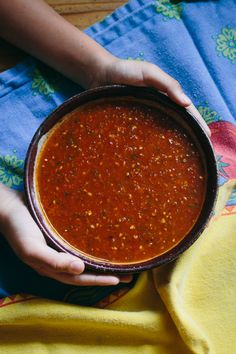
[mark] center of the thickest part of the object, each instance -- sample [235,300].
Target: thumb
[40,255]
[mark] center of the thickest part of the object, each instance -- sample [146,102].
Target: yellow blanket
[185,307]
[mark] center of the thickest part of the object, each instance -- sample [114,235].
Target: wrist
[91,68]
[100,73]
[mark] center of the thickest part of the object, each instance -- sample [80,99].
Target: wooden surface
[82,13]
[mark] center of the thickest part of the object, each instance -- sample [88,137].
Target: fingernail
[114,281]
[186,100]
[76,267]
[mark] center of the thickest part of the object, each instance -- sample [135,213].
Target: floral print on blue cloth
[46,82]
[40,85]
[11,171]
[208,114]
[169,9]
[226,43]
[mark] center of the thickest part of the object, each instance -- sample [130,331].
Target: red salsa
[120,180]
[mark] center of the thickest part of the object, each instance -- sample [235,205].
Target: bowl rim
[140,93]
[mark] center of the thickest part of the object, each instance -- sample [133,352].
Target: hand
[138,73]
[27,241]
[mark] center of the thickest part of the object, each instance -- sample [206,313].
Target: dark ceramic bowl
[185,119]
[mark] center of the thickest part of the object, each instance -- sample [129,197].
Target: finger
[97,279]
[147,74]
[157,78]
[49,259]
[81,280]
[193,110]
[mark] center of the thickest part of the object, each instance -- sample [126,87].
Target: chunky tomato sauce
[120,181]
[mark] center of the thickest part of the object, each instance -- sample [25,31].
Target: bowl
[141,172]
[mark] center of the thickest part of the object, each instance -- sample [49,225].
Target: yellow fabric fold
[199,288]
[185,307]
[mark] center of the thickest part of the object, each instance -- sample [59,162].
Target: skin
[36,28]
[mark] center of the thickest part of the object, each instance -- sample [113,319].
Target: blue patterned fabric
[193,41]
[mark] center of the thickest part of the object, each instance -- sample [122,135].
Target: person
[37,29]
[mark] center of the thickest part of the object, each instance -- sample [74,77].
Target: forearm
[36,28]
